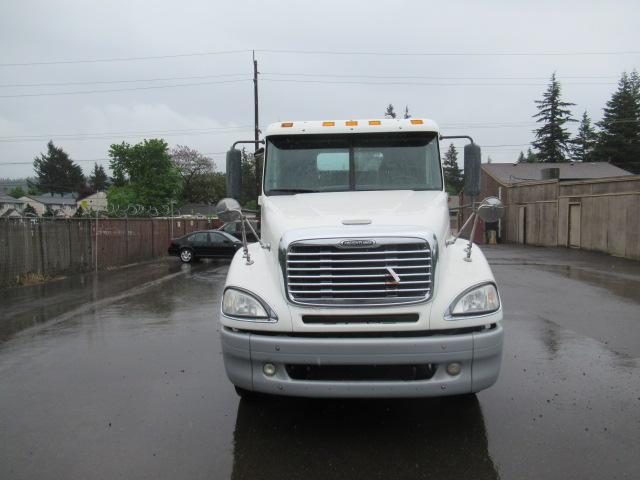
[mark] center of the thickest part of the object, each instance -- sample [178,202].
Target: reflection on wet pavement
[293,438]
[133,386]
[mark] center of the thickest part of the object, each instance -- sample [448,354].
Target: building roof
[352,126]
[9,199]
[509,173]
[67,199]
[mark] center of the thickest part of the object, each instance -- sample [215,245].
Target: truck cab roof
[382,125]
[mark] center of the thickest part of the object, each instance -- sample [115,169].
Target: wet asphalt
[121,376]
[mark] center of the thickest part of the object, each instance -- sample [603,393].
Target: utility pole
[256,128]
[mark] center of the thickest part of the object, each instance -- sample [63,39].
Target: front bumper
[478,353]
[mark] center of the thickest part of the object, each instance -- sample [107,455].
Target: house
[11,207]
[96,202]
[61,206]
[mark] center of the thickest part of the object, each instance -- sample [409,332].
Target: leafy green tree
[195,169]
[619,137]
[521,158]
[98,180]
[552,138]
[453,177]
[17,192]
[56,172]
[406,112]
[248,193]
[390,113]
[143,174]
[584,143]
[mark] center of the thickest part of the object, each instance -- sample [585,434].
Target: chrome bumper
[478,353]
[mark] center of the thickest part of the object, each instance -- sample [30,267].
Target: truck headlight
[246,306]
[478,300]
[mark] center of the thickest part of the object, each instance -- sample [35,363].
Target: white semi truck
[357,287]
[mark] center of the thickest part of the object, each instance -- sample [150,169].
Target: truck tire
[245,394]
[186,255]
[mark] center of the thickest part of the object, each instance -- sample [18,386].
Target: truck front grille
[386,271]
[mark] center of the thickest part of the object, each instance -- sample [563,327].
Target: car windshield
[336,163]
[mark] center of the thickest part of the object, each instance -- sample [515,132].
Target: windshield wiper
[291,190]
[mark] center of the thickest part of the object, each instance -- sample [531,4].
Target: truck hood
[427,209]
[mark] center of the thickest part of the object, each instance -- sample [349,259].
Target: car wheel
[186,255]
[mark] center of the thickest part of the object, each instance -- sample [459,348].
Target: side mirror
[491,209]
[472,160]
[234,174]
[228,210]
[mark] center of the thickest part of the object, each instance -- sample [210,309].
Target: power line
[294,74]
[322,52]
[151,87]
[109,82]
[123,59]
[435,77]
[104,159]
[330,82]
[451,54]
[129,133]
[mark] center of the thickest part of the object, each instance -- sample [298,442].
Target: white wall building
[96,202]
[11,207]
[64,206]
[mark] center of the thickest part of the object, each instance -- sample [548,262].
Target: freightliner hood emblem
[357,243]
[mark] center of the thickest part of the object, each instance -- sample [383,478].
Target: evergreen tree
[619,137]
[390,113]
[583,144]
[406,112]
[552,139]
[532,157]
[56,172]
[29,211]
[17,192]
[521,158]
[453,178]
[98,180]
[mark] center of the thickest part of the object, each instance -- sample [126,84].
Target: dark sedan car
[206,244]
[235,229]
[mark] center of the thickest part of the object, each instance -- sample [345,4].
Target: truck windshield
[337,163]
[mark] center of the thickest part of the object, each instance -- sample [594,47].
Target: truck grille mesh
[326,274]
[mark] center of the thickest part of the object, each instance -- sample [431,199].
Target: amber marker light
[286,124]
[375,122]
[351,123]
[328,124]
[416,122]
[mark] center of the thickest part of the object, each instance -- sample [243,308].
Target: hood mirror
[491,210]
[229,210]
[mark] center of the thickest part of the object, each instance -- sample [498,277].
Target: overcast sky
[487,96]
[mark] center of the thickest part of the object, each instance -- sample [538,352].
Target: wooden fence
[53,247]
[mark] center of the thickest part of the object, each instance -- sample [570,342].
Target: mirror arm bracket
[245,141]
[453,137]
